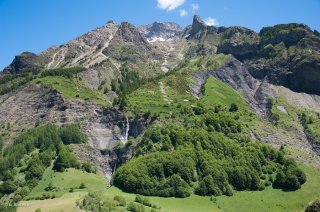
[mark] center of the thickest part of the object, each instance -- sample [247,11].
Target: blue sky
[35,25]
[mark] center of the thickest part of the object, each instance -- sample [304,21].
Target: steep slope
[85,50]
[129,46]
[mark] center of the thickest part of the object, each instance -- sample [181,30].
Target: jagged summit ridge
[161,31]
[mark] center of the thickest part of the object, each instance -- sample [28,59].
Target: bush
[95,202]
[134,176]
[65,159]
[121,200]
[7,187]
[71,134]
[82,186]
[290,178]
[233,107]
[87,167]
[144,200]
[135,207]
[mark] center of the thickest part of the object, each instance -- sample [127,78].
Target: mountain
[159,31]
[158,110]
[27,61]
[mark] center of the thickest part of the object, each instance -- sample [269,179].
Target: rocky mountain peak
[161,31]
[129,33]
[24,61]
[197,24]
[199,28]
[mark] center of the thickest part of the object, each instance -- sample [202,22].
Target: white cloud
[169,4]
[195,7]
[183,13]
[211,21]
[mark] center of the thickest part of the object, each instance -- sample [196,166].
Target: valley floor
[267,200]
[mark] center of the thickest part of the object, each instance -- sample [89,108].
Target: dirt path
[164,93]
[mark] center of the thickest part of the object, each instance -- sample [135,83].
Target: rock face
[199,29]
[238,77]
[289,34]
[238,41]
[130,45]
[26,61]
[85,50]
[161,31]
[288,55]
[32,104]
[130,34]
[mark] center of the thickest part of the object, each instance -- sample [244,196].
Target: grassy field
[268,200]
[73,88]
[150,98]
[63,181]
[205,63]
[176,86]
[147,97]
[192,203]
[67,203]
[217,92]
[275,200]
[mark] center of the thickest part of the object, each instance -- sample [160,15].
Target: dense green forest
[208,153]
[34,151]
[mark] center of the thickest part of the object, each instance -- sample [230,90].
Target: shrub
[121,200]
[7,187]
[82,186]
[65,159]
[87,167]
[135,207]
[233,107]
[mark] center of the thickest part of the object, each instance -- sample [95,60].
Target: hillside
[161,118]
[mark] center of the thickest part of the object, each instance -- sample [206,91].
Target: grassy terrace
[151,98]
[73,88]
[64,181]
[217,92]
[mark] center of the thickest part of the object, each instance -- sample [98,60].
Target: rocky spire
[200,28]
[129,33]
